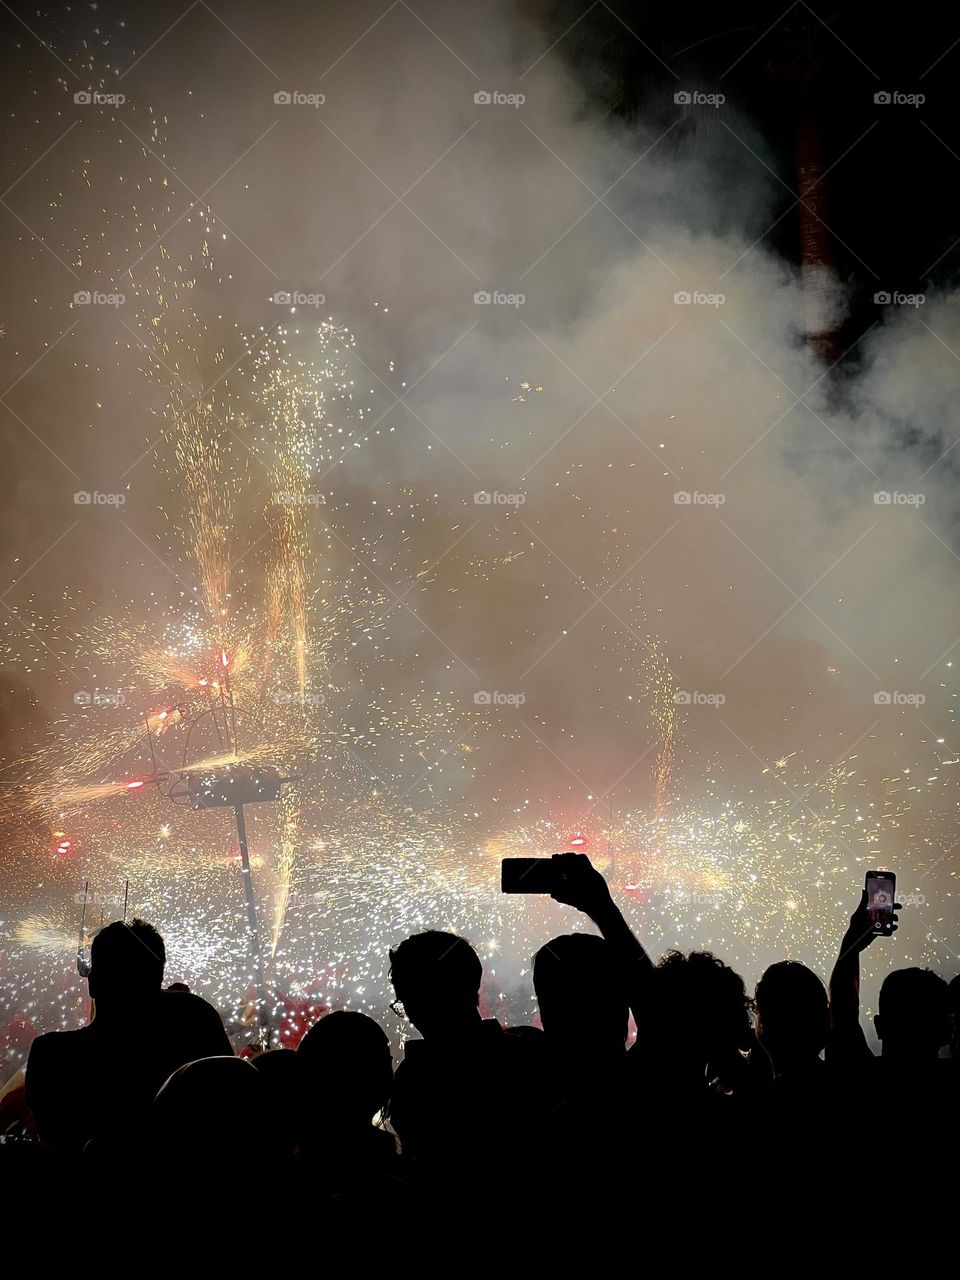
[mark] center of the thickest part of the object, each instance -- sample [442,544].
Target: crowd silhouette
[722,1100]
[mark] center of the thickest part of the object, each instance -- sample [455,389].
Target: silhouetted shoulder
[194,1025]
[55,1053]
[58,1042]
[57,1074]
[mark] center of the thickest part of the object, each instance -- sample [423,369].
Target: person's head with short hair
[437,980]
[126,964]
[913,1018]
[700,1010]
[216,1116]
[345,1057]
[793,1015]
[278,1067]
[581,994]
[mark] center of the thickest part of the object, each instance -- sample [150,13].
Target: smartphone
[528,875]
[881,887]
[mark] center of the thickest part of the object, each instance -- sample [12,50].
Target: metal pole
[233,712]
[216,723]
[153,756]
[83,967]
[263,1017]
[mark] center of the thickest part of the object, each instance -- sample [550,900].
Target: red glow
[578,841]
[135,785]
[64,846]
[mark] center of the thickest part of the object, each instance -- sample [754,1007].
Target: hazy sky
[782,585]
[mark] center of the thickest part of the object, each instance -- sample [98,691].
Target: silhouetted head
[346,1068]
[216,1115]
[580,991]
[278,1067]
[701,1007]
[793,1015]
[126,964]
[954,989]
[437,980]
[913,1021]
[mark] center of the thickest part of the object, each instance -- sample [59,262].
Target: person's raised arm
[582,886]
[846,1035]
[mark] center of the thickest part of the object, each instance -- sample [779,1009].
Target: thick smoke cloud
[783,584]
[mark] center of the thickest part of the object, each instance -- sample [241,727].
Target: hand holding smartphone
[881,891]
[569,878]
[528,875]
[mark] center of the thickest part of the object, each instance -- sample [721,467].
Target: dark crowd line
[747,1123]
